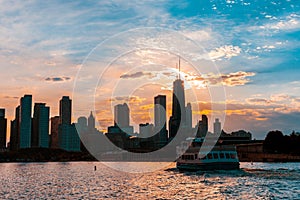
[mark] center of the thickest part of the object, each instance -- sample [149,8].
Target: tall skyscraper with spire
[178,106]
[91,122]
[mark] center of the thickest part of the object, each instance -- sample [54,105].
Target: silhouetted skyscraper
[82,121]
[25,121]
[160,117]
[188,111]
[121,114]
[55,121]
[217,126]
[3,129]
[40,126]
[68,138]
[178,107]
[160,111]
[145,130]
[82,125]
[14,131]
[82,130]
[65,110]
[202,127]
[91,122]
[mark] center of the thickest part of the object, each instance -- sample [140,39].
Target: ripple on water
[78,180]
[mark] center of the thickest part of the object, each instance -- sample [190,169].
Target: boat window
[188,157]
[216,156]
[209,156]
[196,156]
[227,155]
[232,155]
[222,155]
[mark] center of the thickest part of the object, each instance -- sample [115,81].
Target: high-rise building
[217,126]
[14,131]
[3,129]
[91,122]
[82,125]
[82,130]
[121,114]
[160,111]
[65,110]
[188,112]
[82,121]
[145,130]
[160,118]
[178,117]
[68,138]
[55,121]
[202,127]
[25,121]
[40,126]
[178,107]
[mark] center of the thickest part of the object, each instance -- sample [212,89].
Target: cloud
[58,79]
[231,79]
[275,99]
[258,101]
[137,75]
[10,97]
[227,51]
[279,98]
[269,47]
[286,23]
[199,35]
[289,24]
[130,99]
[296,100]
[60,35]
[281,103]
[236,78]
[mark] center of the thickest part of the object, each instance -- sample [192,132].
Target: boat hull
[208,166]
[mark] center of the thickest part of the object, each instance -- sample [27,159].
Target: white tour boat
[221,157]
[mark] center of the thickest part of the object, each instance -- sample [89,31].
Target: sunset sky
[253,44]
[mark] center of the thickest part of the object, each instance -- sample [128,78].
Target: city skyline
[254,45]
[156,99]
[40,121]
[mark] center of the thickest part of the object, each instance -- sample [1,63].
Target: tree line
[277,142]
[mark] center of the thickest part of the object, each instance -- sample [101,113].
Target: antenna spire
[179,67]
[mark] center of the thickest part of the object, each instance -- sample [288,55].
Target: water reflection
[79,180]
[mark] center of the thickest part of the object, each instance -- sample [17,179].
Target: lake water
[78,180]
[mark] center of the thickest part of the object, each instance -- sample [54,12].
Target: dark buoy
[95,168]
